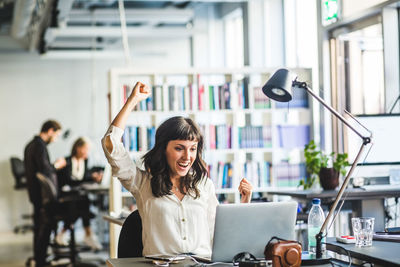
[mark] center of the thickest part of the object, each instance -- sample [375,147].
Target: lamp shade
[279,86]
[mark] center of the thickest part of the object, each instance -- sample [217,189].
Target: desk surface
[351,193]
[381,252]
[142,262]
[95,188]
[112,219]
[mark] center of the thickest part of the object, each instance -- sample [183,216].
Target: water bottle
[316,218]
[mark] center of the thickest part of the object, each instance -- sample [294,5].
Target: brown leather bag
[283,253]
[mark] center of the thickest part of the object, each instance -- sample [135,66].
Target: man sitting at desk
[74,174]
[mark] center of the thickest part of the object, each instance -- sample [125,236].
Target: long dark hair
[81,141]
[155,161]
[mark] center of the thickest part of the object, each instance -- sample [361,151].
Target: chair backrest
[48,189]
[130,242]
[18,170]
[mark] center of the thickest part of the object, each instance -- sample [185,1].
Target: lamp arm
[394,104]
[337,199]
[366,140]
[334,112]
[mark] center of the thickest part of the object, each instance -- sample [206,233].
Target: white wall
[74,92]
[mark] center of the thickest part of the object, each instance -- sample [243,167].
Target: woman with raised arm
[175,198]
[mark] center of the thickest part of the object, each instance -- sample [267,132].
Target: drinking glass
[363,228]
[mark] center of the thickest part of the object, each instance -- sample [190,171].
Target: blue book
[133,138]
[225,176]
[125,139]
[151,137]
[293,136]
[230,174]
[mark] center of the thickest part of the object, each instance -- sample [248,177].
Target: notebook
[249,227]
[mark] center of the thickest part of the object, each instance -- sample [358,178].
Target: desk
[381,252]
[367,203]
[142,262]
[113,219]
[95,188]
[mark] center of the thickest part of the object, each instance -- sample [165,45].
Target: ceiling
[88,25]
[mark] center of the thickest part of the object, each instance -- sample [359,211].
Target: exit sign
[329,11]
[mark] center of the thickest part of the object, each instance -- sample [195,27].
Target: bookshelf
[246,135]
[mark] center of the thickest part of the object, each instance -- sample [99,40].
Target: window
[351,7]
[234,53]
[361,66]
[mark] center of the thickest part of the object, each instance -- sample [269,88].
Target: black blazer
[36,159]
[64,175]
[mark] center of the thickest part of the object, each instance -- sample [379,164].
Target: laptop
[105,181]
[248,228]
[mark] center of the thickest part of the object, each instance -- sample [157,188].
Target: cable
[346,193]
[343,249]
[125,44]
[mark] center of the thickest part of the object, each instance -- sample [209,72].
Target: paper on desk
[386,237]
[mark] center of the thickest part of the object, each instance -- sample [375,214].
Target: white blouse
[170,226]
[78,169]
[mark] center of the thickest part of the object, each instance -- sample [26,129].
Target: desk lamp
[279,88]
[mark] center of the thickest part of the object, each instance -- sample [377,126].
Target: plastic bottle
[316,218]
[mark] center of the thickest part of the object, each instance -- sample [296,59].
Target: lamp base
[308,259]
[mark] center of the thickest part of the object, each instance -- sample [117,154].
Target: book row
[255,137]
[139,138]
[227,96]
[220,137]
[289,175]
[258,173]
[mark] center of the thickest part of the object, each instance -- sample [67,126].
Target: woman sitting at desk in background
[75,173]
[175,198]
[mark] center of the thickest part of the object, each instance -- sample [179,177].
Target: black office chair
[18,170]
[57,209]
[130,244]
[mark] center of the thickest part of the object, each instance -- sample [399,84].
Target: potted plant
[327,167]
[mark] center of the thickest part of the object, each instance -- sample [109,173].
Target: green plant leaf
[316,159]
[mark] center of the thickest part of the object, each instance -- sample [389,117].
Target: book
[151,137]
[158,98]
[133,138]
[211,98]
[293,136]
[201,98]
[213,141]
[194,97]
[125,93]
[226,95]
[216,97]
[165,97]
[245,88]
[187,99]
[234,96]
[230,175]
[125,139]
